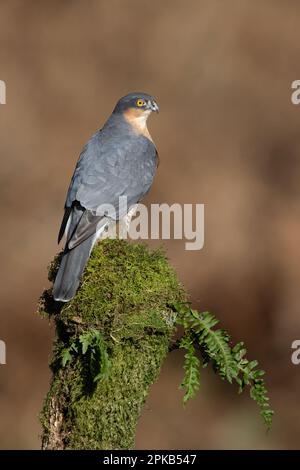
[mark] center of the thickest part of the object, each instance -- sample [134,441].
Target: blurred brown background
[228,137]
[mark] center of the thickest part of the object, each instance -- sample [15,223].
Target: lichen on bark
[125,294]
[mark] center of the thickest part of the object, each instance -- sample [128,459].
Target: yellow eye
[140,103]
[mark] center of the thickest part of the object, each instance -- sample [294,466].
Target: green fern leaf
[230,363]
[191,380]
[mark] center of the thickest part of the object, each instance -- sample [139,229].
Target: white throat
[141,121]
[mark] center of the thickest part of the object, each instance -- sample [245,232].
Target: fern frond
[251,376]
[230,363]
[214,342]
[191,380]
[92,347]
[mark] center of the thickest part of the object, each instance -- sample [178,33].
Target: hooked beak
[153,106]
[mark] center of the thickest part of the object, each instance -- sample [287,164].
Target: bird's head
[137,104]
[135,108]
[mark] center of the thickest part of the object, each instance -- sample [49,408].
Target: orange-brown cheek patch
[132,114]
[135,117]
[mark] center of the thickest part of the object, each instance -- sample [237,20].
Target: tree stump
[124,307]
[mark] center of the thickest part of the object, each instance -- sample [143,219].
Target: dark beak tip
[155,107]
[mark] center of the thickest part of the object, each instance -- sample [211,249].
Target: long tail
[70,271]
[83,229]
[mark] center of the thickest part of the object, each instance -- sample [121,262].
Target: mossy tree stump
[125,295]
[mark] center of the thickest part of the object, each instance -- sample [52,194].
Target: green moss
[125,294]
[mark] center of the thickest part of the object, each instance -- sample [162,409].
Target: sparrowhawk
[118,161]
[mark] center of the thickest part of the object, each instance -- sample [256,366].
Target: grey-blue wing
[110,168]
